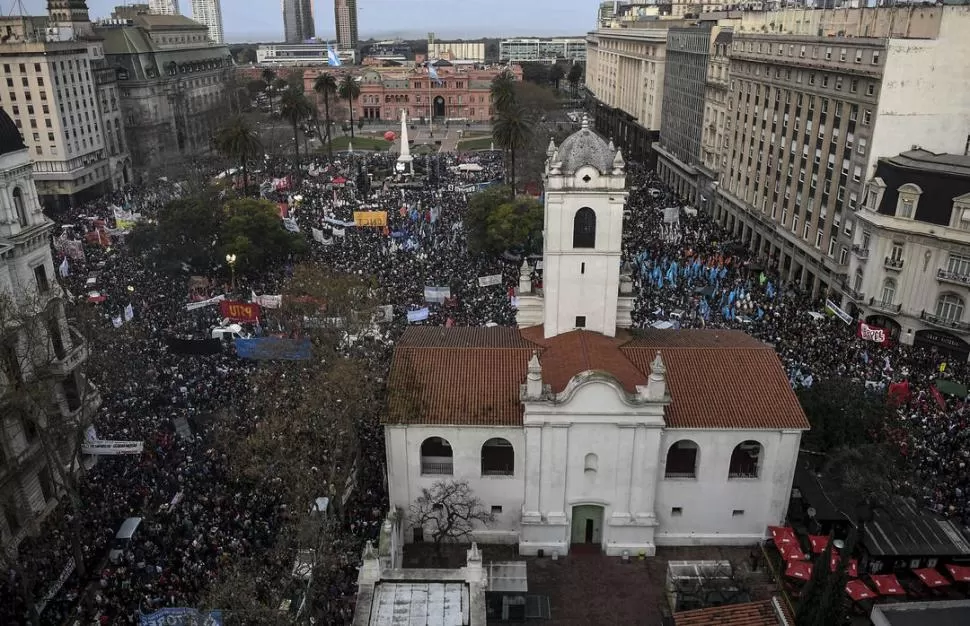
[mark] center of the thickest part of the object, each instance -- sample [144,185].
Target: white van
[123,539]
[229,333]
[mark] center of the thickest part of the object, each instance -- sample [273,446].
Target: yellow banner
[370,218]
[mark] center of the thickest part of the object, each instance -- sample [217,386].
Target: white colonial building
[576,431]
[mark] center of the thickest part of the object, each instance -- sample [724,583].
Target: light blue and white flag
[332,59]
[433,73]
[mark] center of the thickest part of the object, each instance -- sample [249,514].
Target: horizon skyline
[381,19]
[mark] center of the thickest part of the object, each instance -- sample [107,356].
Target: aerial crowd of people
[199,518]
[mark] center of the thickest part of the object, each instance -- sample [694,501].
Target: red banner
[874,333]
[239,311]
[938,397]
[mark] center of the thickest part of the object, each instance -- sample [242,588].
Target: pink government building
[462,95]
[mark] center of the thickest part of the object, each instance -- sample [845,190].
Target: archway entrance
[439,106]
[587,527]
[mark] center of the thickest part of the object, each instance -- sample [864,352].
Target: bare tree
[449,511]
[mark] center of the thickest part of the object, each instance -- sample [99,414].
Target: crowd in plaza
[199,518]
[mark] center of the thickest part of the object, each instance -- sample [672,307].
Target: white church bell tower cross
[585,191]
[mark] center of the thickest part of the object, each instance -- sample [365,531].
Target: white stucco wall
[925,94]
[405,481]
[708,501]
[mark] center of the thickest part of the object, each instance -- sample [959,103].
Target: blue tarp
[274,349]
[181,617]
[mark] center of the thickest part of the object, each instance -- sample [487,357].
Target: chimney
[657,382]
[525,278]
[533,380]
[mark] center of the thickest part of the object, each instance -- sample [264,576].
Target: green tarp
[951,388]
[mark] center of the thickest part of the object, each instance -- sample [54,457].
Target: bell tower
[71,14]
[585,192]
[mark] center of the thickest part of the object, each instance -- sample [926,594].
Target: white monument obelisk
[405,160]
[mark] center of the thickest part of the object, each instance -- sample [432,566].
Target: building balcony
[437,467]
[859,251]
[854,295]
[946,276]
[893,265]
[942,322]
[885,307]
[66,363]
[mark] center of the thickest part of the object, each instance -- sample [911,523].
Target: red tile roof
[747,614]
[471,376]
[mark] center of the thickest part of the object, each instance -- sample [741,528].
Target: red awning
[792,552]
[857,590]
[887,585]
[802,570]
[818,543]
[931,577]
[959,573]
[852,569]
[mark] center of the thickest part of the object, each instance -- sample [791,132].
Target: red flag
[938,397]
[449,323]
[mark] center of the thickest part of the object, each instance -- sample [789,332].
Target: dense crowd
[199,518]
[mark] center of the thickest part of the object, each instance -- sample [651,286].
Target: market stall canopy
[959,573]
[801,570]
[931,577]
[887,585]
[857,590]
[818,543]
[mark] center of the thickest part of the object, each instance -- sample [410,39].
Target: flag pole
[430,104]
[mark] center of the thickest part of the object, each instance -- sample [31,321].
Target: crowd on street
[198,517]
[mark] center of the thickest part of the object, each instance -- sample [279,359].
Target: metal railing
[943,322]
[680,475]
[858,296]
[889,307]
[859,251]
[437,468]
[953,277]
[893,264]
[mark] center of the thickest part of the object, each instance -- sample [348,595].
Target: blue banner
[182,617]
[274,349]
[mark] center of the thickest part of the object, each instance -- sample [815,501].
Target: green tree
[326,87]
[256,86]
[810,611]
[239,142]
[512,127]
[534,72]
[254,233]
[184,232]
[575,76]
[495,223]
[350,90]
[865,478]
[295,108]
[843,413]
[556,74]
[503,90]
[269,77]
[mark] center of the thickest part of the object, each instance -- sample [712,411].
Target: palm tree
[503,90]
[512,127]
[295,108]
[269,77]
[238,141]
[326,86]
[350,90]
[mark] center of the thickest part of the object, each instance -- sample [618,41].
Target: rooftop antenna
[17,8]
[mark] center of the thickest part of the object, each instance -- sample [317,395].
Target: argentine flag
[433,73]
[332,59]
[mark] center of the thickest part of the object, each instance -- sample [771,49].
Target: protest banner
[273,349]
[191,306]
[111,448]
[437,294]
[418,316]
[873,333]
[376,219]
[833,309]
[490,281]
[181,617]
[239,311]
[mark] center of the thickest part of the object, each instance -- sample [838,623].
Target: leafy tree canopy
[495,222]
[843,413]
[253,232]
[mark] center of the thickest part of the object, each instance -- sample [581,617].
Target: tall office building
[164,7]
[298,20]
[209,14]
[345,20]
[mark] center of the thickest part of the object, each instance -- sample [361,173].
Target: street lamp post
[231,260]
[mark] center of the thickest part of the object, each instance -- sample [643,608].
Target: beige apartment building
[816,98]
[457,50]
[50,88]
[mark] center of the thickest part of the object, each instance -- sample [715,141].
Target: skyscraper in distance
[298,20]
[164,7]
[209,14]
[345,20]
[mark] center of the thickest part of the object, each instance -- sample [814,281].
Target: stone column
[533,473]
[649,471]
[558,436]
[625,470]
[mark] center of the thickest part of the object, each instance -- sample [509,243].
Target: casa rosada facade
[462,95]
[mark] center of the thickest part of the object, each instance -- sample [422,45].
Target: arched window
[745,460]
[681,460]
[584,228]
[498,458]
[888,291]
[591,463]
[19,206]
[950,307]
[437,457]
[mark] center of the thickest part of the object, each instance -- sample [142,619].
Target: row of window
[498,459]
[764,47]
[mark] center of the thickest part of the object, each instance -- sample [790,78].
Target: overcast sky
[262,20]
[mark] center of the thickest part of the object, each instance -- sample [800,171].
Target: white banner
[384,314]
[418,316]
[268,302]
[191,306]
[837,311]
[437,294]
[317,234]
[112,448]
[671,215]
[490,281]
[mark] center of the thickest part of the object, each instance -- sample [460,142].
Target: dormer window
[960,217]
[908,200]
[874,194]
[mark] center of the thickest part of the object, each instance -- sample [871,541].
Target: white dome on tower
[585,147]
